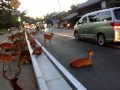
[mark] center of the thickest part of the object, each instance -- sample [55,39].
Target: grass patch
[2,31]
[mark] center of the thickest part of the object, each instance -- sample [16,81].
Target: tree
[47,18]
[113,3]
[4,13]
[73,9]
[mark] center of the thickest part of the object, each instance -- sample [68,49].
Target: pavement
[26,79]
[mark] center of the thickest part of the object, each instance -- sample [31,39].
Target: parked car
[102,26]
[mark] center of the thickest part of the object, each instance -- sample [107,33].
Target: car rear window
[117,13]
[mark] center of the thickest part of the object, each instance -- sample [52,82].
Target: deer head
[13,80]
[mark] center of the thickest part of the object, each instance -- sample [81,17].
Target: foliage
[47,18]
[113,3]
[73,9]
[5,17]
[63,14]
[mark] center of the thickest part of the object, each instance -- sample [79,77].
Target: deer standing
[82,62]
[48,37]
[13,81]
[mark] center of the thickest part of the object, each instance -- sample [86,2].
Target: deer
[32,40]
[77,63]
[8,58]
[37,50]
[25,57]
[13,81]
[12,37]
[7,46]
[48,37]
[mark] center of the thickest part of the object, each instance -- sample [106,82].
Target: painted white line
[74,37]
[71,78]
[113,46]
[64,35]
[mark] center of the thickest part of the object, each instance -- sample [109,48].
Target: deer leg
[50,42]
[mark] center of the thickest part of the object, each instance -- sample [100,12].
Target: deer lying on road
[25,57]
[37,50]
[82,62]
[7,46]
[7,57]
[48,37]
[13,81]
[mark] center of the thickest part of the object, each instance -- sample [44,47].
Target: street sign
[15,12]
[15,3]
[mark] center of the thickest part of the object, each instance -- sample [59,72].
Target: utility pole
[59,14]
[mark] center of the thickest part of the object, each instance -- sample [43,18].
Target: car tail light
[116,26]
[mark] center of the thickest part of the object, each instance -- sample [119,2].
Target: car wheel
[101,39]
[76,36]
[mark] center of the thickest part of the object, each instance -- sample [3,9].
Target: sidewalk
[26,79]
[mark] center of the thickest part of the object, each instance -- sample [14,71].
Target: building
[55,19]
[69,21]
[94,5]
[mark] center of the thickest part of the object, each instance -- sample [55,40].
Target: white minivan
[102,26]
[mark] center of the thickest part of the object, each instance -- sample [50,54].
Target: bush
[2,25]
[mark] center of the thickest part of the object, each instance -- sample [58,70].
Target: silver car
[102,26]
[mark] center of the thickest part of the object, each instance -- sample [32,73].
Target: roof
[87,3]
[54,14]
[70,16]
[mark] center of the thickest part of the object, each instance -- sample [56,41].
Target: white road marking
[115,46]
[74,37]
[64,35]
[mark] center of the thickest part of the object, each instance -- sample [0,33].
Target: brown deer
[25,57]
[12,37]
[13,81]
[7,46]
[82,62]
[48,37]
[8,58]
[37,50]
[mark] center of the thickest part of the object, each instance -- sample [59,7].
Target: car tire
[101,39]
[76,36]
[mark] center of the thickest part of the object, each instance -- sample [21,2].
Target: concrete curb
[41,83]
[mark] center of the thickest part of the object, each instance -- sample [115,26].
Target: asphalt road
[104,74]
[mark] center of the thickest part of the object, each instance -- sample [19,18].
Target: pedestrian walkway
[26,79]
